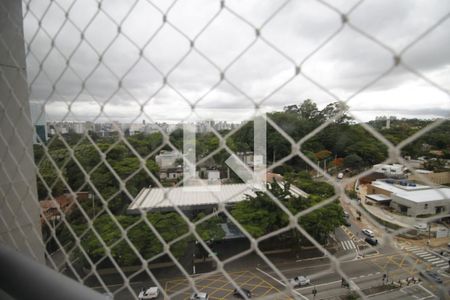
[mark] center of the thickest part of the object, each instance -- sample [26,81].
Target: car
[421,226]
[346,214]
[371,241]
[340,176]
[300,281]
[240,293]
[443,252]
[368,232]
[199,296]
[432,275]
[150,293]
[347,223]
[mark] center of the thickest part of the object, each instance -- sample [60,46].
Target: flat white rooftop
[158,198]
[397,188]
[166,198]
[429,195]
[378,197]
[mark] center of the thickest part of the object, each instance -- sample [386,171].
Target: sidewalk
[434,242]
[382,214]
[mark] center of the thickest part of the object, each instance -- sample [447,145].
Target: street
[365,273]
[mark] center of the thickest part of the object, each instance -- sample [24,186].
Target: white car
[300,281]
[150,293]
[421,226]
[199,296]
[368,232]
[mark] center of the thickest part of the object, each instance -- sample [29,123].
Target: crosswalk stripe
[433,259]
[352,245]
[348,245]
[442,264]
[412,248]
[444,267]
[420,253]
[438,261]
[427,256]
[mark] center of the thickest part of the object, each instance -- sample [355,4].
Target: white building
[189,198]
[422,202]
[136,128]
[390,170]
[79,127]
[213,176]
[410,198]
[166,159]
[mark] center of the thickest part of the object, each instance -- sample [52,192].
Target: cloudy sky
[157,59]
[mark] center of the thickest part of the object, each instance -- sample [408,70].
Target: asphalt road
[253,273]
[262,280]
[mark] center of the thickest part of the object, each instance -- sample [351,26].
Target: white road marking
[440,261]
[316,285]
[280,282]
[412,248]
[426,290]
[433,259]
[348,245]
[271,277]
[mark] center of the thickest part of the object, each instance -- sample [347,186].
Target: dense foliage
[260,215]
[170,226]
[116,170]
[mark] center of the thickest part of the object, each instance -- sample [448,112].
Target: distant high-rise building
[39,120]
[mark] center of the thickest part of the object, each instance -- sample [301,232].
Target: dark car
[371,241]
[432,275]
[240,293]
[347,223]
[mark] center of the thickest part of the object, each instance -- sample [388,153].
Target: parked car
[368,232]
[199,296]
[150,293]
[371,241]
[340,175]
[432,275]
[240,293]
[347,223]
[346,214]
[443,252]
[421,226]
[300,281]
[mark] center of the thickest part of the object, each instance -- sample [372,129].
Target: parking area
[218,287]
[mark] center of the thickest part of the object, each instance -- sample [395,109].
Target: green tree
[210,229]
[141,238]
[353,161]
[260,215]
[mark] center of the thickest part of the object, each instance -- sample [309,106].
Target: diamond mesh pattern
[192,47]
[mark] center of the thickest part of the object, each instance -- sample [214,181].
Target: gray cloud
[344,65]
